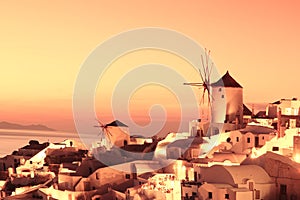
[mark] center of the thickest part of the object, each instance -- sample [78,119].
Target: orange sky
[44,43]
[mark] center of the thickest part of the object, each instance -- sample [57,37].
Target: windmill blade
[210,98]
[193,84]
[210,70]
[108,135]
[100,132]
[108,131]
[201,75]
[207,64]
[100,123]
[202,98]
[204,71]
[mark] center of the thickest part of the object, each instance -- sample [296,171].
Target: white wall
[229,98]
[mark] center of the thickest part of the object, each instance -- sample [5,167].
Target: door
[283,192]
[256,141]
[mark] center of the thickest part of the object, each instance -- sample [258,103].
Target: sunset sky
[44,43]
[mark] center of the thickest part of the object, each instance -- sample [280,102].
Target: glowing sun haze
[44,43]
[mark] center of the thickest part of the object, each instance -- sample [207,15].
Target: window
[30,162]
[226,196]
[228,140]
[251,186]
[97,176]
[282,189]
[127,176]
[195,176]
[194,194]
[237,139]
[222,96]
[220,89]
[257,194]
[216,131]
[210,196]
[87,186]
[248,140]
[275,149]
[263,137]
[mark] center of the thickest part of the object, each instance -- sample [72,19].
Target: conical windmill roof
[227,81]
[116,123]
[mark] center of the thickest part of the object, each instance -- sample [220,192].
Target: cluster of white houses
[238,156]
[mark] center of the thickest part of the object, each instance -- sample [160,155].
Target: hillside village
[239,155]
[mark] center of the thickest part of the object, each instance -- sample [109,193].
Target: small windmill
[205,75]
[105,135]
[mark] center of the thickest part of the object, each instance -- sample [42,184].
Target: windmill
[205,75]
[105,134]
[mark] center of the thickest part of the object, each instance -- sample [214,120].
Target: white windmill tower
[230,92]
[224,100]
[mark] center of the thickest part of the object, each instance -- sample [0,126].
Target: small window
[97,176]
[30,162]
[228,140]
[257,194]
[220,89]
[127,176]
[216,131]
[222,96]
[194,194]
[226,196]
[283,189]
[237,139]
[248,140]
[210,196]
[251,186]
[263,137]
[275,149]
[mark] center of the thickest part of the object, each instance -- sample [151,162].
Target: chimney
[279,122]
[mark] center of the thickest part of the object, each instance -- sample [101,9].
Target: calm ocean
[11,140]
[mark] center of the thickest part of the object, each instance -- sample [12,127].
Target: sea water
[11,140]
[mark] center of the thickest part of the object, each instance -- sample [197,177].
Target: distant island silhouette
[8,125]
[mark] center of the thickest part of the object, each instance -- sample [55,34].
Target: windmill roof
[261,114]
[246,110]
[277,102]
[227,81]
[116,123]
